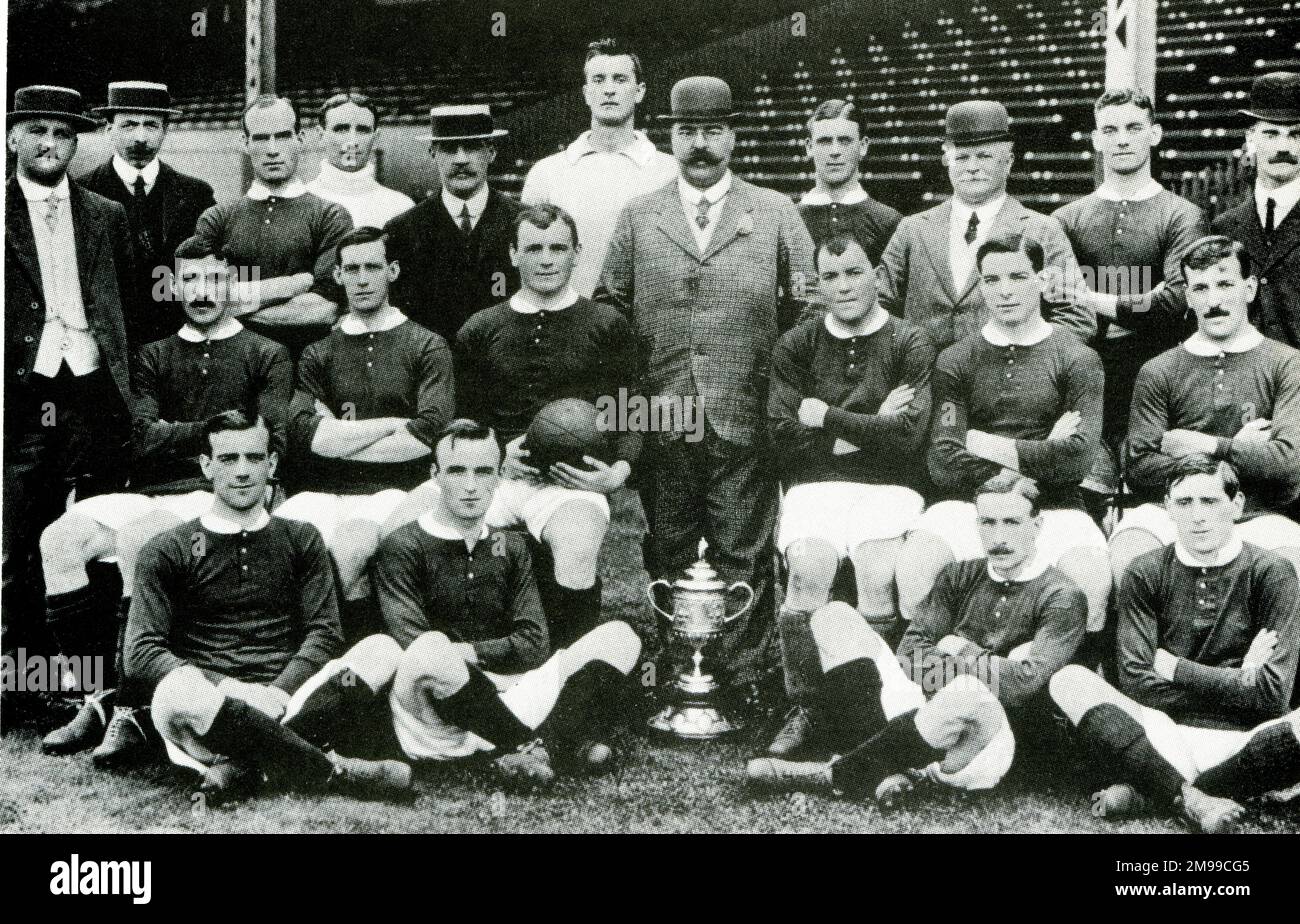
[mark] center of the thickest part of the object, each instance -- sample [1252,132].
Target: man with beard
[1268,223]
[711,270]
[837,204]
[210,365]
[349,124]
[454,248]
[162,204]
[1227,392]
[234,613]
[66,384]
[594,177]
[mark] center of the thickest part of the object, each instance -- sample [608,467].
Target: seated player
[1227,392]
[211,364]
[1021,395]
[1209,632]
[514,358]
[849,404]
[477,673]
[987,639]
[233,613]
[371,398]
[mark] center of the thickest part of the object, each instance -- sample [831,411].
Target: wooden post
[259,57]
[1130,51]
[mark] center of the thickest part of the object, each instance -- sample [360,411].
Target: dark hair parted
[1212,248]
[1200,464]
[541,216]
[1012,243]
[366,234]
[612,47]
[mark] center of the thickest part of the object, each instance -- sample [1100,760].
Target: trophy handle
[650,595]
[748,603]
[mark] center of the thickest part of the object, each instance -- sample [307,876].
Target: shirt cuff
[1165,664]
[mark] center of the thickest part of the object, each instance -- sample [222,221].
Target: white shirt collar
[1200,345]
[690,195]
[385,318]
[878,317]
[987,212]
[226,329]
[477,203]
[37,192]
[817,196]
[1036,566]
[1226,554]
[1036,334]
[127,173]
[260,193]
[521,303]
[1151,188]
[216,523]
[640,151]
[357,182]
[1285,196]
[440,530]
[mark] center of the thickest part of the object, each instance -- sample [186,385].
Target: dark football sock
[247,735]
[571,614]
[895,748]
[477,707]
[82,624]
[847,706]
[1269,761]
[1119,736]
[130,693]
[343,714]
[799,658]
[582,708]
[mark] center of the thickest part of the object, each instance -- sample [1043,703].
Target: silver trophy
[699,615]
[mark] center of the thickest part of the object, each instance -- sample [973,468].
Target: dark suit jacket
[104,260]
[445,278]
[179,201]
[1276,311]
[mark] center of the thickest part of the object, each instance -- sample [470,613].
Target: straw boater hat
[471,122]
[138,96]
[46,102]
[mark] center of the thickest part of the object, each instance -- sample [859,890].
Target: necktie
[1269,223]
[137,190]
[143,243]
[52,212]
[466,225]
[972,228]
[702,212]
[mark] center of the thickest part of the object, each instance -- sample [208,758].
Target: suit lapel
[18,232]
[1009,220]
[672,221]
[736,203]
[87,235]
[935,237]
[1285,239]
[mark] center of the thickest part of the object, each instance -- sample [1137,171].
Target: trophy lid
[701,576]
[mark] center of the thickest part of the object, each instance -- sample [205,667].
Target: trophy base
[695,721]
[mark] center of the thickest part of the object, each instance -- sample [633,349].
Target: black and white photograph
[718,416]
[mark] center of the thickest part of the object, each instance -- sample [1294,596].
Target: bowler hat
[46,102]
[469,122]
[701,99]
[1275,97]
[976,121]
[138,96]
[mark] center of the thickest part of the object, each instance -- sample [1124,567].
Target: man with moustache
[1129,235]
[1209,630]
[281,231]
[849,408]
[971,673]
[1020,394]
[234,614]
[1268,223]
[372,397]
[477,673]
[1227,392]
[67,394]
[212,364]
[711,269]
[349,124]
[837,204]
[454,248]
[162,204]
[927,273]
[595,176]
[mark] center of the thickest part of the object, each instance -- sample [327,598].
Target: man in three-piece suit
[162,205]
[1267,223]
[453,249]
[67,395]
[708,268]
[927,274]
